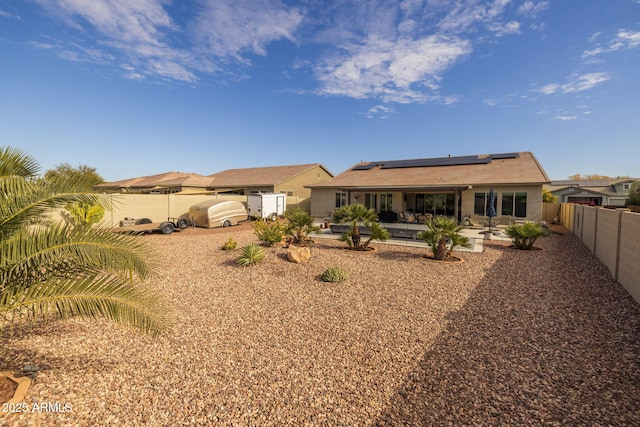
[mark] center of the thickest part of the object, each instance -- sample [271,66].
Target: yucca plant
[50,269]
[355,215]
[250,254]
[442,234]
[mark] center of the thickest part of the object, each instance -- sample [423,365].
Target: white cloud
[389,70]
[565,118]
[575,84]
[623,40]
[4,14]
[501,29]
[137,30]
[532,8]
[380,111]
[140,21]
[466,14]
[232,28]
[396,51]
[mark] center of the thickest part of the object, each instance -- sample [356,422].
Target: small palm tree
[442,235]
[357,215]
[525,235]
[300,225]
[55,269]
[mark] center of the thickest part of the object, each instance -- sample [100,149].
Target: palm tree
[442,235]
[50,269]
[357,215]
[299,225]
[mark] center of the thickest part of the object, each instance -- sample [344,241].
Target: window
[341,199]
[626,186]
[514,204]
[507,204]
[386,201]
[481,204]
[371,200]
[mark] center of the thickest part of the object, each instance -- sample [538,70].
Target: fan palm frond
[51,268]
[90,295]
[14,162]
[39,251]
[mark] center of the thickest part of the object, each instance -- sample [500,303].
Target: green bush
[269,233]
[525,234]
[230,245]
[633,199]
[335,274]
[251,254]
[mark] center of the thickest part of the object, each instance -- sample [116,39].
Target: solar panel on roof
[438,161]
[366,167]
[504,156]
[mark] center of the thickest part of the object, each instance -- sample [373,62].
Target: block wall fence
[159,207]
[612,235]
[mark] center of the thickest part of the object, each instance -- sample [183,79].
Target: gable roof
[443,172]
[167,179]
[260,176]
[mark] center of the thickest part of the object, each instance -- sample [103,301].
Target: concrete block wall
[607,238]
[629,262]
[159,207]
[589,226]
[613,236]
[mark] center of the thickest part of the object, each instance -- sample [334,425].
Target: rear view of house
[453,186]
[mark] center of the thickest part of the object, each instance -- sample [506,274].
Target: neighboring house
[291,180]
[595,192]
[452,186]
[165,183]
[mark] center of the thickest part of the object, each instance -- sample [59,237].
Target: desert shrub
[250,254]
[525,234]
[335,274]
[230,245]
[268,233]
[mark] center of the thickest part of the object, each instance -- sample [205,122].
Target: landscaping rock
[298,254]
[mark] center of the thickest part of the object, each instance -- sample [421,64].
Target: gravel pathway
[506,337]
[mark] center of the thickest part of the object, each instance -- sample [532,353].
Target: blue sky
[141,87]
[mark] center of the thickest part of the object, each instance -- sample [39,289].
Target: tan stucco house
[164,183]
[452,186]
[595,192]
[291,180]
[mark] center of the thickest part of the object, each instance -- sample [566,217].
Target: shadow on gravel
[547,338]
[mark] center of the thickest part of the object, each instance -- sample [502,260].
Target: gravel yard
[506,337]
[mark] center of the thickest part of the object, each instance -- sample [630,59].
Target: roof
[164,180]
[260,176]
[443,172]
[605,187]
